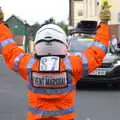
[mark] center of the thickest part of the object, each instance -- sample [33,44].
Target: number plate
[98,72]
[50,63]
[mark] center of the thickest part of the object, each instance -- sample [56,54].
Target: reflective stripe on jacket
[58,102]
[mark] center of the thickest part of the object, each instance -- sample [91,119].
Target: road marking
[88,118]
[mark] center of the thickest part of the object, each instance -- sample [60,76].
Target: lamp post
[26,38]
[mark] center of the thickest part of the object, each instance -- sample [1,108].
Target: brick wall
[114,30]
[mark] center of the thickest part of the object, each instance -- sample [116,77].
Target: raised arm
[16,59]
[97,51]
[94,55]
[92,58]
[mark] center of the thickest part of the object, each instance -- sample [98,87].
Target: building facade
[17,27]
[20,32]
[89,10]
[115,12]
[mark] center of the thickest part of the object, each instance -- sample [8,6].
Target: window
[118,17]
[15,26]
[80,12]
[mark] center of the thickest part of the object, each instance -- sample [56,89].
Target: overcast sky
[36,10]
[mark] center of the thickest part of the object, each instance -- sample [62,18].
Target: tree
[33,29]
[50,20]
[63,26]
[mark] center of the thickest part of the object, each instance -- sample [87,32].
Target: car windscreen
[78,44]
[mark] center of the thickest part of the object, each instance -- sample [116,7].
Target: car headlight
[117,63]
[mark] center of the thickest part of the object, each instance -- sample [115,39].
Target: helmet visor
[50,48]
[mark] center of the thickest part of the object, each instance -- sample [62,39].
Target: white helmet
[50,40]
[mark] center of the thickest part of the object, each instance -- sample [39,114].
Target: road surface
[90,104]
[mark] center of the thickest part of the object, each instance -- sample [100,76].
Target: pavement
[98,105]
[90,104]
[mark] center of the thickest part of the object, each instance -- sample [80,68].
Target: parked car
[109,71]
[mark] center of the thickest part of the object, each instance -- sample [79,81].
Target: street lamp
[26,37]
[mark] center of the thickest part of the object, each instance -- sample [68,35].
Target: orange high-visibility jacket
[53,103]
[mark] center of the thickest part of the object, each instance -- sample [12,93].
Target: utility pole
[26,42]
[71,12]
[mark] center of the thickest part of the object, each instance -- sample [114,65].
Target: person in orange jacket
[51,75]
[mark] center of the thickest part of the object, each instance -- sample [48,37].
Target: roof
[23,21]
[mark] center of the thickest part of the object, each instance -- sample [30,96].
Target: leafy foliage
[63,26]
[33,29]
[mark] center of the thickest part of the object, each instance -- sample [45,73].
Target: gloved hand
[1,15]
[105,14]
[5,32]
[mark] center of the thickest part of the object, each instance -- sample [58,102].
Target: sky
[36,10]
